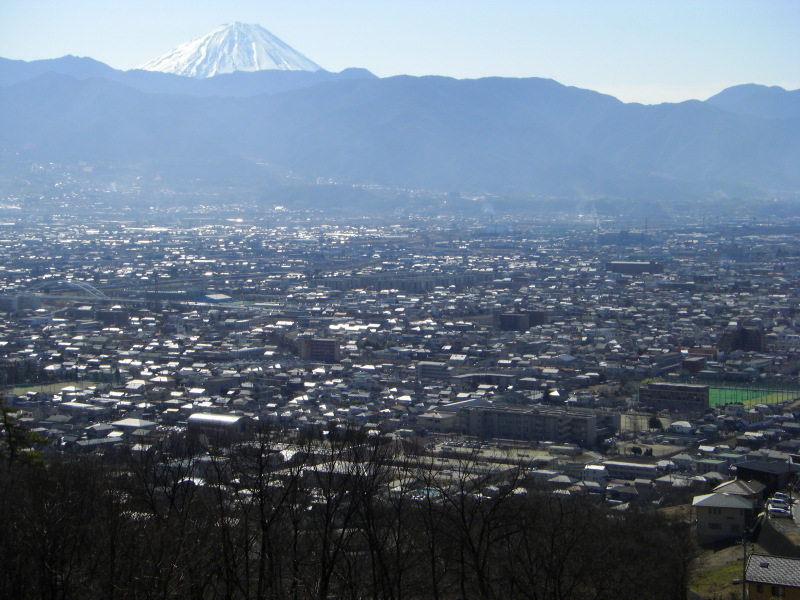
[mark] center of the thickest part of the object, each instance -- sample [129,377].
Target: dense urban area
[274,403]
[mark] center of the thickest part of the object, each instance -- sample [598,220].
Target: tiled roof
[740,487]
[773,570]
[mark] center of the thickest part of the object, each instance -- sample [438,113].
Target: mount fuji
[229,48]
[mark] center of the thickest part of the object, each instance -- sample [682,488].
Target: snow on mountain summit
[233,47]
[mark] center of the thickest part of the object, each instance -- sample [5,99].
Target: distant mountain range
[515,137]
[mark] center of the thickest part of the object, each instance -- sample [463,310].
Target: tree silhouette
[349,516]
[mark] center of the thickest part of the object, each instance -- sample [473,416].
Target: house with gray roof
[721,516]
[752,490]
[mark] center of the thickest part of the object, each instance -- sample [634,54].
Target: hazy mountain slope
[17,71]
[57,118]
[759,101]
[519,136]
[507,134]
[699,144]
[431,132]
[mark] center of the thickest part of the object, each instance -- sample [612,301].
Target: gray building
[534,424]
[675,396]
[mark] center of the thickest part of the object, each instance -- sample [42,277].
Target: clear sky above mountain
[637,50]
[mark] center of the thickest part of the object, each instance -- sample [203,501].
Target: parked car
[778,513]
[785,497]
[774,502]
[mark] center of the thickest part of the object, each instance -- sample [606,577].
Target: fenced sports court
[748,393]
[719,396]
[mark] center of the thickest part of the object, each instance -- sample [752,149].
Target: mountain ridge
[519,136]
[241,83]
[493,135]
[769,102]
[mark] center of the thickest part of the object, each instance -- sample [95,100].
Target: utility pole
[745,543]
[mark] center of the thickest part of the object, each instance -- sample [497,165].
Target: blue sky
[637,50]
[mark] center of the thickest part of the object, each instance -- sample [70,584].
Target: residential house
[721,516]
[751,490]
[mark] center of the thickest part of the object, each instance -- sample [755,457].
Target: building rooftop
[773,570]
[717,500]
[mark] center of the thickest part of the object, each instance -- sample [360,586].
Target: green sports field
[748,397]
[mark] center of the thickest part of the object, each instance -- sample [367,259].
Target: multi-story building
[620,469]
[721,516]
[325,350]
[428,369]
[746,338]
[220,427]
[514,321]
[634,267]
[675,396]
[533,424]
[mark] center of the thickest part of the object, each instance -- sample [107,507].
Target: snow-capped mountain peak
[232,47]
